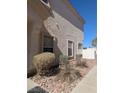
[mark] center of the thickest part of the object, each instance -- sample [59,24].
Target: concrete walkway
[88,83]
[32,87]
[30,84]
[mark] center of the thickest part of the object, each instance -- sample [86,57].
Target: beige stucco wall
[33,33]
[62,8]
[61,24]
[34,29]
[61,28]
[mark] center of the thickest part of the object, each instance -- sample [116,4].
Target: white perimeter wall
[89,53]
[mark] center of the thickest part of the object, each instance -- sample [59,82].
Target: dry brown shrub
[69,76]
[80,61]
[43,62]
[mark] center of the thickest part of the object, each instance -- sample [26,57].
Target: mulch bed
[54,85]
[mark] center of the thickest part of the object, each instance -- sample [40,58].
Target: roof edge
[68,3]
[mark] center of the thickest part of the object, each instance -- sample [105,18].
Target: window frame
[72,48]
[47,47]
[46,1]
[47,4]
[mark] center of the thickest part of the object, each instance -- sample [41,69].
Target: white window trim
[72,48]
[47,4]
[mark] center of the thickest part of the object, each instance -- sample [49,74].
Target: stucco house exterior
[54,26]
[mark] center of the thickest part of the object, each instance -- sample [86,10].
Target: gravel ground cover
[53,84]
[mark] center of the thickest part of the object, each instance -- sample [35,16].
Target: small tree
[78,58]
[94,42]
[64,62]
[68,73]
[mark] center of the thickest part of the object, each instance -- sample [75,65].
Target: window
[70,48]
[79,46]
[48,44]
[45,1]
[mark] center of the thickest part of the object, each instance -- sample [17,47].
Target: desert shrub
[43,62]
[80,60]
[83,62]
[69,76]
[64,62]
[67,73]
[63,59]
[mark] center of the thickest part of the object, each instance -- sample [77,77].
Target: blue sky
[88,10]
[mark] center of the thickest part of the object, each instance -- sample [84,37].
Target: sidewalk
[34,88]
[88,83]
[30,84]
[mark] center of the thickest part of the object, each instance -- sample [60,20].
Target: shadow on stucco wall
[56,51]
[35,7]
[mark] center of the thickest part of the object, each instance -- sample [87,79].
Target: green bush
[78,58]
[64,62]
[63,59]
[43,62]
[68,73]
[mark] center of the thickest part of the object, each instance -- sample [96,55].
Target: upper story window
[45,1]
